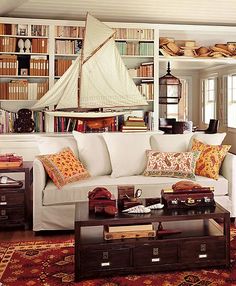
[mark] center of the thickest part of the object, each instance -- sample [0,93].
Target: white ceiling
[220,12]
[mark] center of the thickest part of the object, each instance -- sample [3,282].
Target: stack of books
[129,231]
[134,124]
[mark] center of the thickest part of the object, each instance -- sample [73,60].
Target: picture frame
[23,71]
[22,30]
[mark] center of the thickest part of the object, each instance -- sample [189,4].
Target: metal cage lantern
[169,88]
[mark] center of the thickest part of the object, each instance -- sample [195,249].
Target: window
[180,111]
[231,103]
[209,99]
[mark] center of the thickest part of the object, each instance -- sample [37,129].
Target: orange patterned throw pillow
[171,164]
[210,159]
[63,167]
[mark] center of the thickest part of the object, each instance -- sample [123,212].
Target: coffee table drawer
[155,254]
[203,250]
[102,259]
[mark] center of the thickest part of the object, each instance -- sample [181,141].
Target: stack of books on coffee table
[128,231]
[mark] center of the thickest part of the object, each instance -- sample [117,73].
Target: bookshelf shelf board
[136,56]
[229,60]
[68,38]
[143,78]
[24,37]
[18,100]
[24,76]
[134,40]
[24,54]
[67,55]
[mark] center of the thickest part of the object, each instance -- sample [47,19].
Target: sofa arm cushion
[40,176]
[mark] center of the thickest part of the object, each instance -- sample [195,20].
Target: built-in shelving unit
[34,53]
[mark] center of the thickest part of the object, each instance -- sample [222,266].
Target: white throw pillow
[170,142]
[93,153]
[210,139]
[127,152]
[53,144]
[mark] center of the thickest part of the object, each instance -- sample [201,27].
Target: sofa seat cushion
[151,186]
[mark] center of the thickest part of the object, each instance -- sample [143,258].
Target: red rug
[52,263]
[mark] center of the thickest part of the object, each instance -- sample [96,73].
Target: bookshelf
[34,53]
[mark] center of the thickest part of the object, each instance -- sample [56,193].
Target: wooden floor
[29,235]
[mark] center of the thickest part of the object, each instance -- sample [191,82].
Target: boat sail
[104,81]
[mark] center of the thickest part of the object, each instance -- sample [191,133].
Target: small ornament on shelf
[21,45]
[27,46]
[24,123]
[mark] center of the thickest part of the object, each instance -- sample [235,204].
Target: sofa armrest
[228,170]
[40,176]
[39,183]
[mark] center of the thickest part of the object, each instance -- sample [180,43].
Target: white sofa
[115,159]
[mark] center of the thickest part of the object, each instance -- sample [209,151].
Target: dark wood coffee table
[202,242]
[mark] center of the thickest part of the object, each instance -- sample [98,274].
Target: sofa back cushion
[93,153]
[127,152]
[170,142]
[54,144]
[210,139]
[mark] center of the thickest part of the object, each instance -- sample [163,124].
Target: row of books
[8,65]
[61,65]
[39,121]
[68,46]
[65,124]
[8,44]
[135,48]
[8,118]
[23,90]
[23,30]
[38,66]
[69,31]
[144,70]
[39,45]
[147,89]
[129,33]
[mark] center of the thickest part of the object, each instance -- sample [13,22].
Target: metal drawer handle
[3,217]
[202,255]
[104,264]
[3,203]
[155,259]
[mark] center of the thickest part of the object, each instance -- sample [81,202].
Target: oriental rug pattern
[51,263]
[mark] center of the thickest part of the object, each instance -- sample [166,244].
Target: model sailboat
[104,81]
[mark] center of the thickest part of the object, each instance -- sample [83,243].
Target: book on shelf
[133,128]
[134,123]
[135,118]
[133,227]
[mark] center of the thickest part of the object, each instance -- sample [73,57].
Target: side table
[16,205]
